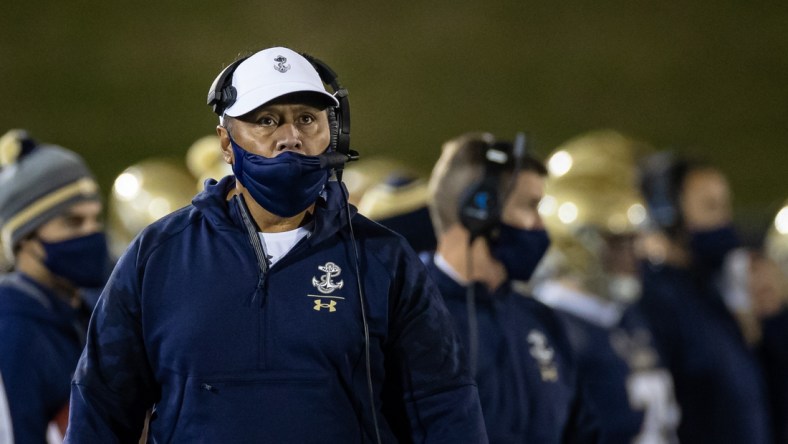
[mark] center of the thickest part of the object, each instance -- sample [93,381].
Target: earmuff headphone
[480,208]
[222,95]
[481,205]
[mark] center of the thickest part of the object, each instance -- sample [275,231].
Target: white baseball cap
[272,73]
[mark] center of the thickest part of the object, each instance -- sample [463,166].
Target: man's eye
[307,119]
[73,222]
[266,121]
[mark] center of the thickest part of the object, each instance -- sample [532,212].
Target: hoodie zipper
[257,246]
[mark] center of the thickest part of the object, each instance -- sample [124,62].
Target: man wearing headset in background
[52,238]
[260,313]
[483,202]
[718,377]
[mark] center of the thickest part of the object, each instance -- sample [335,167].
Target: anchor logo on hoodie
[325,285]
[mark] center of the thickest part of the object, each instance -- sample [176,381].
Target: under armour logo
[331,305]
[281,64]
[325,285]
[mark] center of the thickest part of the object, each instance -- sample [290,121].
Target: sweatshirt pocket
[264,407]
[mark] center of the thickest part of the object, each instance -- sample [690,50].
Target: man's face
[81,219]
[706,200]
[273,129]
[520,210]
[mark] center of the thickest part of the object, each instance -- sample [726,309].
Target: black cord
[518,151]
[473,321]
[363,314]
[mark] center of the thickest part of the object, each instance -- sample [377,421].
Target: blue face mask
[709,247]
[519,250]
[83,261]
[285,185]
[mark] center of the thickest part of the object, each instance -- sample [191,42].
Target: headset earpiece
[660,183]
[222,93]
[481,205]
[339,117]
[333,124]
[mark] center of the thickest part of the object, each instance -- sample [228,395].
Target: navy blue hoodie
[719,383]
[620,366]
[227,350]
[528,382]
[41,337]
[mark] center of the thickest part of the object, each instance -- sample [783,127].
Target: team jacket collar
[330,210]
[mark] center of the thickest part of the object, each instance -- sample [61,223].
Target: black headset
[223,94]
[481,204]
[480,209]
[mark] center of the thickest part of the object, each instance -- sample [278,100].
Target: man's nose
[288,138]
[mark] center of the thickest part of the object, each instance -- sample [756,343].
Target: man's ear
[224,144]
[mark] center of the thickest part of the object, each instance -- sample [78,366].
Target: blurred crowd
[602,294]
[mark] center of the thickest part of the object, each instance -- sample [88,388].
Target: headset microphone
[336,160]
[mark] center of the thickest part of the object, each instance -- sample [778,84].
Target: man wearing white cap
[268,310]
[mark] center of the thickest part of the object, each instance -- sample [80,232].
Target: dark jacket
[41,337]
[625,377]
[528,382]
[230,351]
[719,382]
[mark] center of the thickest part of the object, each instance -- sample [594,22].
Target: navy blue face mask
[285,185]
[83,261]
[709,247]
[519,250]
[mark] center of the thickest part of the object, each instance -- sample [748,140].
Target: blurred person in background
[702,325]
[6,430]
[769,287]
[400,202]
[52,239]
[776,242]
[370,171]
[592,210]
[483,197]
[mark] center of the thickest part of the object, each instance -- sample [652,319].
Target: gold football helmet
[204,160]
[776,243]
[592,209]
[362,175]
[143,193]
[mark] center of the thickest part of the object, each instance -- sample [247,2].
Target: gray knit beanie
[37,183]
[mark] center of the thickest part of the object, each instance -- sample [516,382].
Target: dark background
[120,81]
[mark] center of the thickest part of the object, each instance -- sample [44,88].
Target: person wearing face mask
[483,197]
[593,210]
[719,380]
[268,310]
[53,243]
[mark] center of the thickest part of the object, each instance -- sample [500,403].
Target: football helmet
[143,193]
[593,209]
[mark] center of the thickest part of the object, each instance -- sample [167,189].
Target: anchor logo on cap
[281,64]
